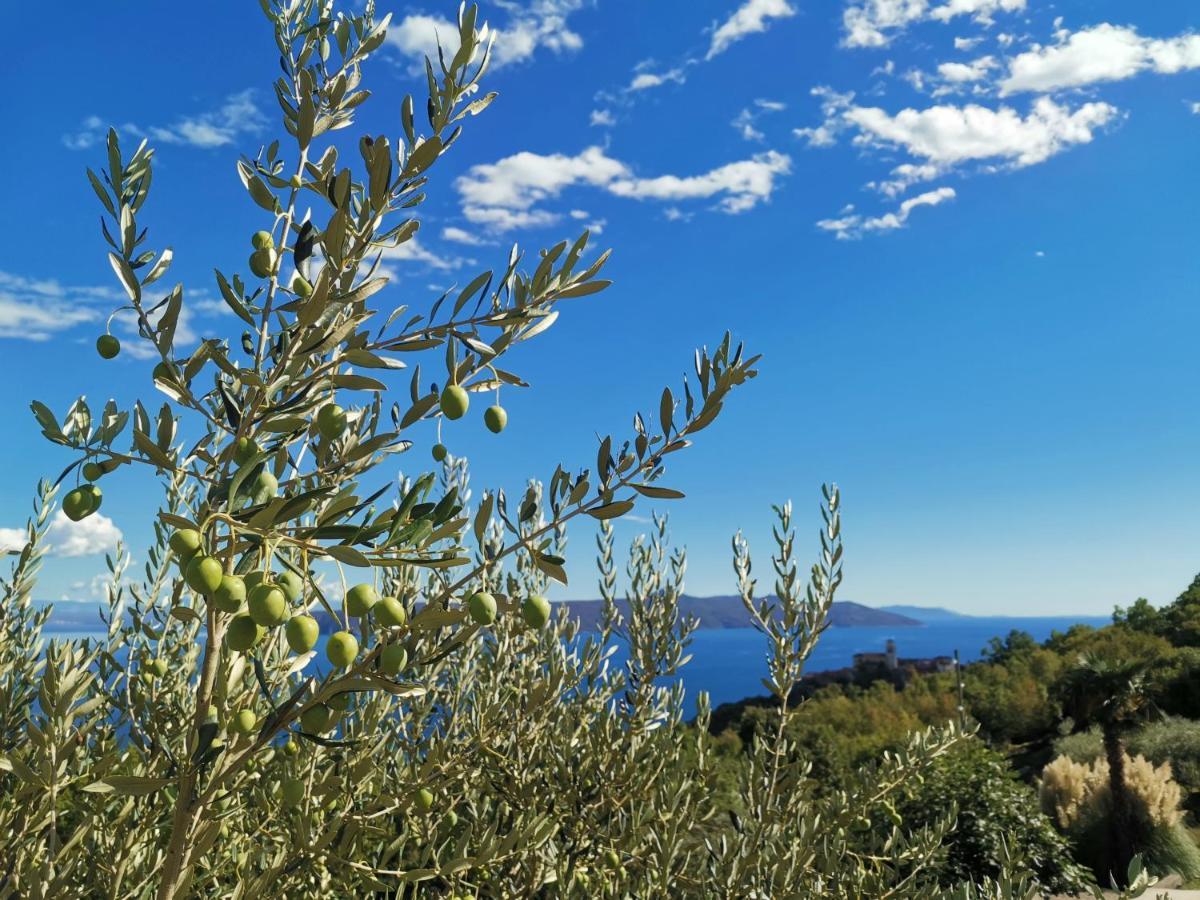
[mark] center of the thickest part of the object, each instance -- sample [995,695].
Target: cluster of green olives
[264,259]
[455,401]
[483,609]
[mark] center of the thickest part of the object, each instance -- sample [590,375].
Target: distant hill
[728,612]
[925,613]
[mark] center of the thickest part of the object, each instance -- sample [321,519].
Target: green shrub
[997,817]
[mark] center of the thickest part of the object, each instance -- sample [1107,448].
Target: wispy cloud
[237,115]
[37,309]
[503,194]
[752,17]
[528,29]
[851,225]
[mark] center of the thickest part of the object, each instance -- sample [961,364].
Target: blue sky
[961,232]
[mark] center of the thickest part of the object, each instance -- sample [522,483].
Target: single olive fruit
[292,791]
[186,543]
[108,346]
[262,262]
[203,574]
[302,633]
[612,858]
[93,471]
[296,181]
[536,611]
[439,452]
[452,818]
[291,584]
[454,402]
[360,599]
[300,286]
[341,649]
[266,486]
[482,606]
[495,418]
[243,633]
[244,449]
[147,677]
[341,702]
[230,594]
[267,605]
[165,372]
[424,800]
[77,504]
[262,240]
[245,721]
[331,421]
[393,659]
[315,719]
[390,611]
[290,747]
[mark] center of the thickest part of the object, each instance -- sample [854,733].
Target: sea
[730,663]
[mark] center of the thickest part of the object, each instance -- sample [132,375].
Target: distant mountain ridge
[925,613]
[728,612]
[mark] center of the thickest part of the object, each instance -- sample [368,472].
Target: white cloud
[34,310]
[237,115]
[413,251]
[751,17]
[873,23]
[643,81]
[1039,253]
[904,176]
[95,534]
[502,194]
[967,44]
[833,108]
[462,236]
[976,70]
[498,218]
[13,540]
[745,120]
[949,134]
[740,185]
[852,226]
[602,118]
[1195,106]
[1102,53]
[519,181]
[542,23]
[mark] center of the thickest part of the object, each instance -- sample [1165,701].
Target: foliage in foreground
[457,743]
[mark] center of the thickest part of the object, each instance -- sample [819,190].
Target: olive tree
[268,442]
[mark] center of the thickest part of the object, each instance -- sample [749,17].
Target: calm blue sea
[731,663]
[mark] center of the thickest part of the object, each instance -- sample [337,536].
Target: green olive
[393,659]
[267,605]
[536,611]
[439,452]
[482,606]
[341,649]
[261,240]
[390,611]
[243,633]
[360,599]
[302,633]
[230,594]
[108,346]
[495,418]
[331,421]
[454,402]
[203,574]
